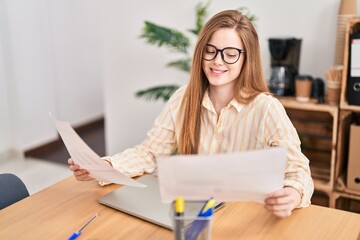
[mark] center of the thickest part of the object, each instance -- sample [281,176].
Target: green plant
[178,42]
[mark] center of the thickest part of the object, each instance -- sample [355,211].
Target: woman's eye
[231,55]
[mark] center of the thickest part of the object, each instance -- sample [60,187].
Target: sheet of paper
[246,176]
[84,156]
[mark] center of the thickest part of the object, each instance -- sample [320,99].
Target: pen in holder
[195,221]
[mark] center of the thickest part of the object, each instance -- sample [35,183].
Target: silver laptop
[145,203]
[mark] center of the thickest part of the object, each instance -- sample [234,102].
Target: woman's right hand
[79,173]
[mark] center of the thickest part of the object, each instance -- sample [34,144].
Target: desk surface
[58,211]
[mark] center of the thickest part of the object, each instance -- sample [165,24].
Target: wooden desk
[58,211]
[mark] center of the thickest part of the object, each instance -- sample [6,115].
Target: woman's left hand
[282,202]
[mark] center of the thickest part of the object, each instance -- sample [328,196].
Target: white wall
[55,55]
[130,64]
[50,60]
[29,80]
[76,44]
[4,113]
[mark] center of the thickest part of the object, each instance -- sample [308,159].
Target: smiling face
[220,74]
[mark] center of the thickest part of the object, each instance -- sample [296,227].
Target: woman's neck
[221,97]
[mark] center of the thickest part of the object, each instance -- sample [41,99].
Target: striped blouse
[261,124]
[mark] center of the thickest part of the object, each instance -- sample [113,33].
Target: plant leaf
[182,64]
[160,92]
[158,35]
[201,14]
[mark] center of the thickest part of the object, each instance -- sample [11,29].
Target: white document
[245,176]
[355,58]
[86,158]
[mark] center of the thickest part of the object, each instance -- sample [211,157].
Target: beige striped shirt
[261,124]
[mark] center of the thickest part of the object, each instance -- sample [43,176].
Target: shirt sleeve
[160,141]
[280,132]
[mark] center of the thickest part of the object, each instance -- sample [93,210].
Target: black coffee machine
[285,56]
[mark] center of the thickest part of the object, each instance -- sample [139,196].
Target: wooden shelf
[346,201]
[354,108]
[323,186]
[341,187]
[324,133]
[341,191]
[317,126]
[320,198]
[346,118]
[322,174]
[312,105]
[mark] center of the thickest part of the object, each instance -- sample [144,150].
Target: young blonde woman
[225,107]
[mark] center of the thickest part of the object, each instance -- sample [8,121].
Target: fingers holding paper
[282,202]
[79,173]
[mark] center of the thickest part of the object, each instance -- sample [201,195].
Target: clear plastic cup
[190,226]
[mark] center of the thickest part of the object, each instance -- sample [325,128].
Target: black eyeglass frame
[222,54]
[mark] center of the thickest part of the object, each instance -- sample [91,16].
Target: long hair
[248,85]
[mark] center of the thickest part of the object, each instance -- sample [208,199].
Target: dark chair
[12,189]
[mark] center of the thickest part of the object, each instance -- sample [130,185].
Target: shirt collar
[206,102]
[238,106]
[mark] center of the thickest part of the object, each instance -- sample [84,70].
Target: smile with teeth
[217,71]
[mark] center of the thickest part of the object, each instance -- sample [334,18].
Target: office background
[84,59]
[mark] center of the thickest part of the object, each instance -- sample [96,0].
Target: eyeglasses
[229,55]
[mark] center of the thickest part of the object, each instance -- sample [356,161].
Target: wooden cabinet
[345,198]
[324,133]
[317,126]
[346,118]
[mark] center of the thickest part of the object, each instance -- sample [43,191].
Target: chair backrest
[12,189]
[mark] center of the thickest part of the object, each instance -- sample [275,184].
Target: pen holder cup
[190,226]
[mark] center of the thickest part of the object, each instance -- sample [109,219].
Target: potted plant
[177,41]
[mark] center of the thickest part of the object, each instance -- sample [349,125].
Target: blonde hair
[249,83]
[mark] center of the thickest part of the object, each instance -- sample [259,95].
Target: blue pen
[78,233]
[199,225]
